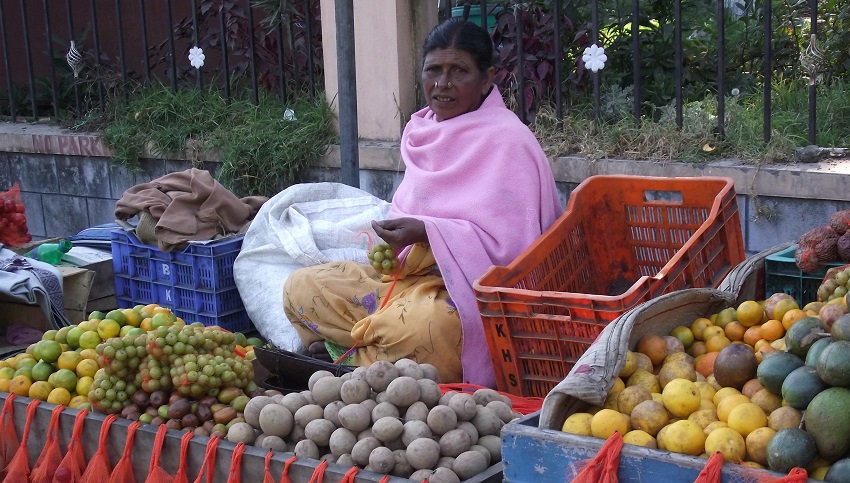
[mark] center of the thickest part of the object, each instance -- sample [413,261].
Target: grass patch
[617,135]
[260,150]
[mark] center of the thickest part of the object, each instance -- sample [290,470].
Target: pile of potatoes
[387,418]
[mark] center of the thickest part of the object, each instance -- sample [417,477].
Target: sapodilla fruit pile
[387,418]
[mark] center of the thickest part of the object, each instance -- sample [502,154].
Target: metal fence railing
[711,48]
[63,58]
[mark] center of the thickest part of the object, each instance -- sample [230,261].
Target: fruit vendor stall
[196,384]
[141,390]
[173,356]
[698,365]
[171,380]
[174,388]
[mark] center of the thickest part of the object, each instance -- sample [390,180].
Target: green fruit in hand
[383,258]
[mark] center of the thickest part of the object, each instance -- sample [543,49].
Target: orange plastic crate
[623,240]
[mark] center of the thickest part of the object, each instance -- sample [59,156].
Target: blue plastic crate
[196,283]
[208,267]
[783,275]
[197,301]
[235,321]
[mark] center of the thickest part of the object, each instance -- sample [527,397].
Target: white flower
[594,58]
[735,91]
[196,57]
[289,114]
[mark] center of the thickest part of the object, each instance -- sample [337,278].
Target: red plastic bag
[267,473]
[8,437]
[234,476]
[209,461]
[123,471]
[710,473]
[98,469]
[18,470]
[349,475]
[796,475]
[319,472]
[155,472]
[73,464]
[51,454]
[284,475]
[522,405]
[13,221]
[71,468]
[602,468]
[181,477]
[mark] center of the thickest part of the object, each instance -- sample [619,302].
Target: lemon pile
[60,368]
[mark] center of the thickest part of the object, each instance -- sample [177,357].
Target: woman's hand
[401,232]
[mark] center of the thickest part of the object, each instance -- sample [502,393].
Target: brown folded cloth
[189,205]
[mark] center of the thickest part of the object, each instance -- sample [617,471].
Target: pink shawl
[485,190]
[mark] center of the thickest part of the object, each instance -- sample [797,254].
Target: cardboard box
[76,284]
[100,285]
[99,262]
[103,304]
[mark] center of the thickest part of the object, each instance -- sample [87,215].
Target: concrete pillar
[388,35]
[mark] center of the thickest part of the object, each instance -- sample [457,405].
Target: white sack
[305,224]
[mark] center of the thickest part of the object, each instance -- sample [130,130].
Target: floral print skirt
[346,303]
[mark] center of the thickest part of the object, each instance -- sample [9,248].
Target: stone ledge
[47,139]
[826,180]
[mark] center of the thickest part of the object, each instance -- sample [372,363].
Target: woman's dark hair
[463,35]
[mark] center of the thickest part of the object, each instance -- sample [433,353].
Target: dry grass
[621,137]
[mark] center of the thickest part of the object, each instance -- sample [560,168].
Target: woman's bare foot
[317,350]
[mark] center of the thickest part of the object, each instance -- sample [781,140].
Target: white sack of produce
[303,225]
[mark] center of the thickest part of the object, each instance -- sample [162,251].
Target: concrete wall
[65,194]
[68,183]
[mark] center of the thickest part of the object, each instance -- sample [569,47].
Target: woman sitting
[477,191]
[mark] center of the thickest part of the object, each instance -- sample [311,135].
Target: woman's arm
[401,232]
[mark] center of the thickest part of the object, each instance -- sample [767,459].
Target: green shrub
[260,150]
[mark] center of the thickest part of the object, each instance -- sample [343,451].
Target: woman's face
[453,83]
